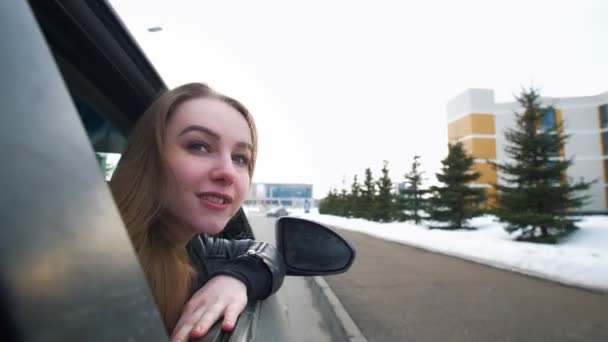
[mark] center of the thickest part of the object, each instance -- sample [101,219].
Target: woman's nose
[224,170]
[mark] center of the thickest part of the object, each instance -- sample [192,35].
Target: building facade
[267,195]
[476,120]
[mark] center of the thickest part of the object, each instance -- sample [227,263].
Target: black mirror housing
[310,248]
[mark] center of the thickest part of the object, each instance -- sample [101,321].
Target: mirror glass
[311,247]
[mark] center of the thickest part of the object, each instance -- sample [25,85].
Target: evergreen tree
[368,196]
[106,168]
[455,202]
[385,201]
[535,196]
[323,204]
[344,203]
[411,199]
[355,198]
[328,204]
[101,159]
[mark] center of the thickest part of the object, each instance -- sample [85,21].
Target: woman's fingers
[221,296]
[183,333]
[207,319]
[231,314]
[187,323]
[230,311]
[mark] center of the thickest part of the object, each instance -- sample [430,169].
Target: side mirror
[310,248]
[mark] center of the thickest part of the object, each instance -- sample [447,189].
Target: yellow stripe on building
[491,198]
[603,146]
[488,173]
[475,123]
[477,147]
[480,148]
[559,120]
[602,142]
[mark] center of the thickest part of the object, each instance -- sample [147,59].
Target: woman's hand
[221,296]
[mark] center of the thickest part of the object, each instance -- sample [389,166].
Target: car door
[77,84]
[67,269]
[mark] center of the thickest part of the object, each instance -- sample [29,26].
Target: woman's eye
[198,147]
[240,159]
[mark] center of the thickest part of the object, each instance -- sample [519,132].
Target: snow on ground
[581,259]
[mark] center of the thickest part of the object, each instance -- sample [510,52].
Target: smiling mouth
[217,199]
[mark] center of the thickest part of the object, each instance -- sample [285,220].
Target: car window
[95,111]
[106,140]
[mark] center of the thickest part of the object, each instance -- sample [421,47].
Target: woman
[185,172]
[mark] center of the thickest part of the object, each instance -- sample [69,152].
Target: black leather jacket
[257,264]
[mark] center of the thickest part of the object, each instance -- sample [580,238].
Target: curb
[342,327]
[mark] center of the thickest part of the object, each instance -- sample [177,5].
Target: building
[400,186]
[476,120]
[267,195]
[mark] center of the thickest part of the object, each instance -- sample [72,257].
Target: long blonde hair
[137,186]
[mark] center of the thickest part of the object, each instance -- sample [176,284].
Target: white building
[475,119]
[266,195]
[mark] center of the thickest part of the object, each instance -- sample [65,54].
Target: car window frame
[73,15]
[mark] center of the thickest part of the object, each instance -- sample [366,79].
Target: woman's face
[208,147]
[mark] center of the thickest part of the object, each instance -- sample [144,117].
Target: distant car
[277,212]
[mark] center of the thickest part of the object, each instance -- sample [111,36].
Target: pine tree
[106,168]
[355,198]
[385,201]
[324,204]
[344,203]
[328,204]
[455,202]
[535,197]
[411,199]
[368,196]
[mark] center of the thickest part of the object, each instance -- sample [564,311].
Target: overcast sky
[338,86]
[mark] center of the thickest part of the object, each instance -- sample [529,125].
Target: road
[399,293]
[304,318]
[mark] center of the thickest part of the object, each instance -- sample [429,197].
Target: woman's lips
[213,205]
[215,200]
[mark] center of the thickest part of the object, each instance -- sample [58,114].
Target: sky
[339,86]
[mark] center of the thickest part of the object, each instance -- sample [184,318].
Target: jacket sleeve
[257,264]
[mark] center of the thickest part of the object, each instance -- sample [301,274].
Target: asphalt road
[399,293]
[304,319]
